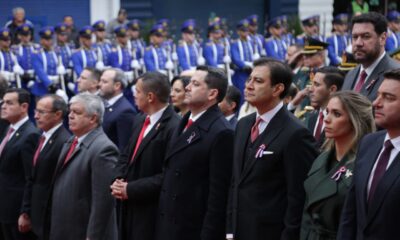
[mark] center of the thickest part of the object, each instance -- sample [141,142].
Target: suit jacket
[139,212]
[81,205]
[117,122]
[311,119]
[196,180]
[233,121]
[372,83]
[267,194]
[326,191]
[15,169]
[378,218]
[38,184]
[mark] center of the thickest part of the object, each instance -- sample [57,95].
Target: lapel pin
[110,109]
[336,176]
[260,151]
[370,84]
[17,134]
[158,126]
[50,141]
[190,139]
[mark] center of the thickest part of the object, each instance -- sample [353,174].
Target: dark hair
[333,76]
[378,20]
[3,86]
[184,79]
[293,90]
[95,73]
[158,84]
[279,73]
[392,74]
[58,104]
[215,79]
[23,95]
[233,95]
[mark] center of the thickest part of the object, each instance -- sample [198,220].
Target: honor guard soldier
[311,29]
[242,55]
[64,51]
[214,48]
[24,51]
[187,51]
[339,40]
[45,64]
[287,36]
[135,41]
[8,61]
[168,42]
[102,45]
[85,56]
[393,39]
[274,45]
[155,55]
[256,38]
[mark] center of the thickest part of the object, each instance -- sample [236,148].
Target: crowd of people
[280,138]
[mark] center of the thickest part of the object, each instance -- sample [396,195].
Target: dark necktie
[361,81]
[140,138]
[380,168]
[255,131]
[71,150]
[39,148]
[318,131]
[5,139]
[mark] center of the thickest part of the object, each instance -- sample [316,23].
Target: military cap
[99,25]
[253,20]
[61,28]
[275,22]
[134,24]
[164,22]
[310,21]
[46,32]
[312,46]
[120,31]
[342,18]
[348,62]
[393,16]
[243,25]
[188,26]
[4,34]
[86,32]
[24,29]
[214,27]
[157,30]
[395,54]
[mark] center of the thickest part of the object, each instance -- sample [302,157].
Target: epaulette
[304,69]
[113,49]
[209,44]
[234,40]
[148,48]
[302,113]
[268,39]
[180,43]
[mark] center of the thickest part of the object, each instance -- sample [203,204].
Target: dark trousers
[10,231]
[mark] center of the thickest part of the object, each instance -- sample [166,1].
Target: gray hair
[92,103]
[17,9]
[119,77]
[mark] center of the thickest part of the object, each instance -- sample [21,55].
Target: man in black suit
[17,148]
[49,114]
[142,161]
[198,164]
[119,113]
[273,152]
[230,105]
[327,80]
[369,33]
[372,209]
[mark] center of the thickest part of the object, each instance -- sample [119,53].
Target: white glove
[30,84]
[231,72]
[227,59]
[62,94]
[201,61]
[18,69]
[129,76]
[256,56]
[169,65]
[71,86]
[100,65]
[174,56]
[249,64]
[135,64]
[61,70]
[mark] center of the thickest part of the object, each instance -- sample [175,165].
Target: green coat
[325,197]
[301,79]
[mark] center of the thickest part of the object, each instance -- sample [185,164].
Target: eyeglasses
[43,112]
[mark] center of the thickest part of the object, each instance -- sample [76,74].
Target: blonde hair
[359,110]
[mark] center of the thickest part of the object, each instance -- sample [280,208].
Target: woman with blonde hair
[349,118]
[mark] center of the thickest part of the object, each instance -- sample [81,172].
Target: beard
[368,57]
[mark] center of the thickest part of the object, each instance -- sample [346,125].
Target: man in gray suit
[81,204]
[369,33]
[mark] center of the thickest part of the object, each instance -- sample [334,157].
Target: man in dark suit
[198,165]
[371,210]
[370,53]
[273,152]
[142,161]
[230,105]
[17,148]
[89,79]
[119,113]
[49,114]
[327,80]
[81,206]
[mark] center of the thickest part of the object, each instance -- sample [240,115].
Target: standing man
[214,50]
[121,20]
[102,45]
[49,114]
[273,152]
[197,172]
[7,57]
[17,20]
[89,80]
[371,209]
[339,40]
[142,161]
[81,206]
[256,38]
[274,45]
[311,29]
[17,149]
[119,113]
[155,55]
[393,38]
[187,50]
[370,54]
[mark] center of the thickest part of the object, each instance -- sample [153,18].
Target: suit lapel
[353,76]
[15,137]
[244,135]
[371,80]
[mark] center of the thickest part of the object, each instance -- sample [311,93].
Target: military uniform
[7,58]
[102,48]
[214,50]
[338,42]
[84,57]
[393,38]
[309,21]
[155,57]
[256,39]
[138,44]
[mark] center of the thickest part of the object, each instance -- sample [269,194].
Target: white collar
[229,117]
[395,141]
[266,117]
[371,68]
[194,118]
[114,99]
[18,124]
[157,115]
[50,132]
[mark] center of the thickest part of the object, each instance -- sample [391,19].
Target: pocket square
[267,153]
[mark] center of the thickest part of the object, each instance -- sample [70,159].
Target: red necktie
[361,81]
[318,130]
[380,168]
[140,138]
[39,148]
[5,139]
[188,124]
[71,150]
[254,130]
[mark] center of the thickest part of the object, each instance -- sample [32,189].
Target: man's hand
[118,189]
[24,223]
[300,96]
